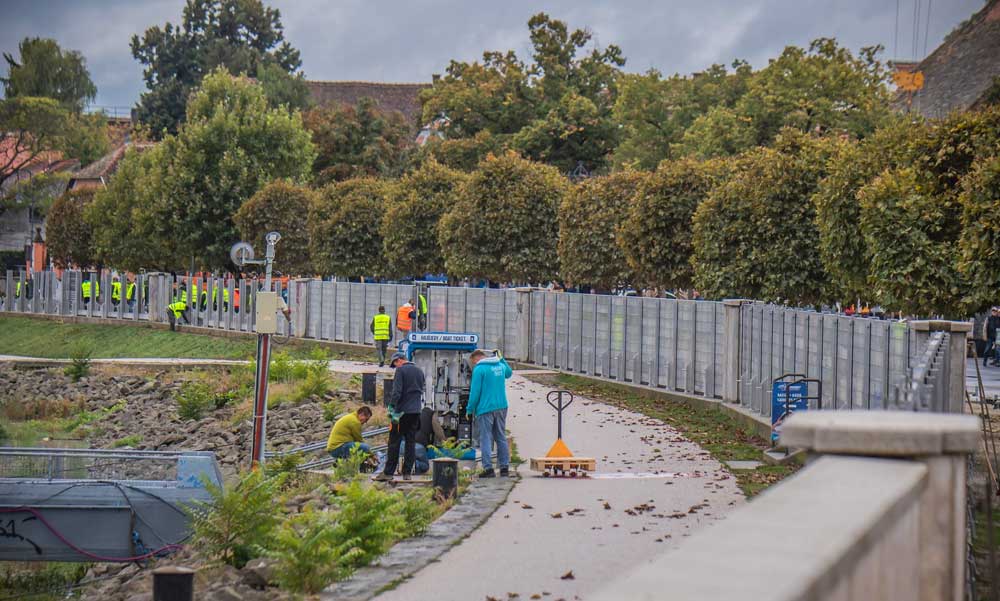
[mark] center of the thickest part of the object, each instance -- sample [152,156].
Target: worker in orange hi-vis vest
[404,319]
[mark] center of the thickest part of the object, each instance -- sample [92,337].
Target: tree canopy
[345,228]
[243,36]
[46,70]
[69,237]
[283,207]
[559,106]
[503,223]
[413,208]
[357,141]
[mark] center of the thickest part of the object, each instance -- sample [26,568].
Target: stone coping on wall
[882,433]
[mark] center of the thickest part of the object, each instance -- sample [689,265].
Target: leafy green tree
[503,224]
[86,138]
[130,223]
[562,101]
[345,228]
[69,237]
[655,235]
[357,141]
[755,234]
[179,198]
[45,70]
[413,208]
[230,147]
[842,246]
[979,243]
[654,112]
[462,153]
[590,215]
[720,132]
[29,128]
[824,87]
[239,35]
[283,88]
[912,236]
[572,132]
[284,207]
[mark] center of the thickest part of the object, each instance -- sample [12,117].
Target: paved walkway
[990,375]
[563,538]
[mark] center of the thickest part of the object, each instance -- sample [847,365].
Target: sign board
[442,338]
[795,395]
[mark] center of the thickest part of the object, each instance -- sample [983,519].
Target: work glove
[394,415]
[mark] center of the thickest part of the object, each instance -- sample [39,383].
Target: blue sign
[795,395]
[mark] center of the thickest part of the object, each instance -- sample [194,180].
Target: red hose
[84,552]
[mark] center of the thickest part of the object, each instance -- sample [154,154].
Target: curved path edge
[409,556]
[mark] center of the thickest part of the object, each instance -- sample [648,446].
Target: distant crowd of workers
[381,324]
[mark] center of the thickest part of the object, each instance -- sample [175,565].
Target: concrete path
[563,538]
[990,375]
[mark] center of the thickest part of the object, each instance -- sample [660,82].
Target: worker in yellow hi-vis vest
[381,327]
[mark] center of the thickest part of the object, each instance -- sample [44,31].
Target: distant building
[20,219]
[960,72]
[402,97]
[97,174]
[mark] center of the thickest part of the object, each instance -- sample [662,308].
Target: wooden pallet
[563,465]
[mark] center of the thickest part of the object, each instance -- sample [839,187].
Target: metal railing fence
[674,345]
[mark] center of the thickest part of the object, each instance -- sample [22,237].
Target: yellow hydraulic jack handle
[560,460]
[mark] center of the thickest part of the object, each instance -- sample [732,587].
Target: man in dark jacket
[405,403]
[991,326]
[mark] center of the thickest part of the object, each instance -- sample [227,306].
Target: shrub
[589,218]
[418,510]
[284,207]
[194,399]
[239,521]
[413,208]
[315,384]
[127,441]
[655,235]
[349,468]
[332,410]
[79,366]
[503,225]
[345,228]
[980,200]
[310,552]
[368,522]
[282,367]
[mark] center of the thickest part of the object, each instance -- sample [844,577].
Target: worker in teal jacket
[488,403]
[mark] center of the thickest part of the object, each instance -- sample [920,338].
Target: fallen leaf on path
[536,596]
[568,576]
[607,505]
[526,506]
[557,515]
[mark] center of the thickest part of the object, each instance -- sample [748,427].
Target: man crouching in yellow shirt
[346,434]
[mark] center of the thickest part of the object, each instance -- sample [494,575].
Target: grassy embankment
[716,432]
[51,339]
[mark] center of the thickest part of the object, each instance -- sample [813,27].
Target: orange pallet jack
[560,461]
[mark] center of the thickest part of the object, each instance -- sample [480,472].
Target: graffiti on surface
[9,530]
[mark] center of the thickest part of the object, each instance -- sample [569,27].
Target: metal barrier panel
[860,361]
[437,301]
[704,347]
[475,312]
[649,336]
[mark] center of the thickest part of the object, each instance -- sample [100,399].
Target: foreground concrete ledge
[797,541]
[409,556]
[882,433]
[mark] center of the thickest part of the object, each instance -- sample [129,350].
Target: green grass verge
[50,339]
[713,430]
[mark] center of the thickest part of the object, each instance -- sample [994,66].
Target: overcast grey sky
[407,41]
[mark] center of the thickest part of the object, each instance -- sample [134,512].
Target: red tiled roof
[402,97]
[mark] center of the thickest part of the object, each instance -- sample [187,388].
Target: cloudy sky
[407,41]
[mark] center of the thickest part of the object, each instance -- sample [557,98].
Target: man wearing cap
[405,403]
[991,326]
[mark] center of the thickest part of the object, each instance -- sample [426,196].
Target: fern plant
[368,522]
[418,509]
[310,554]
[239,521]
[349,467]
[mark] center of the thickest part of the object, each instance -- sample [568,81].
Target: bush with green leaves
[348,468]
[368,522]
[755,234]
[310,552]
[315,385]
[194,399]
[79,365]
[332,410]
[590,217]
[413,208]
[284,207]
[912,235]
[655,236]
[345,228]
[240,519]
[418,510]
[503,225]
[980,240]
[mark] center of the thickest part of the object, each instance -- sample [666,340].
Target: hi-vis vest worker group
[407,313]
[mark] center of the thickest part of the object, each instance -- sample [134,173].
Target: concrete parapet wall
[878,514]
